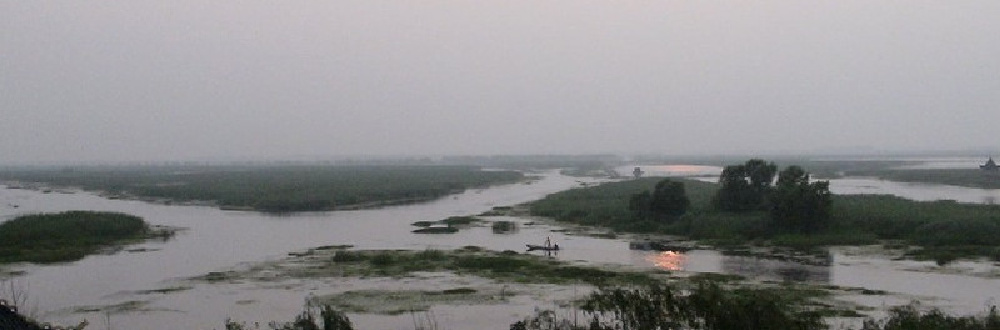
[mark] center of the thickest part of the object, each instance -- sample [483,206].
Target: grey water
[216,240]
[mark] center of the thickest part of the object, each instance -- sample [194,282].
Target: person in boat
[547,247]
[532,247]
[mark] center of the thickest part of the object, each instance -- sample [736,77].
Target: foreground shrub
[909,318]
[708,306]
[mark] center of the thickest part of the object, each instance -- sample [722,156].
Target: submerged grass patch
[502,266]
[389,302]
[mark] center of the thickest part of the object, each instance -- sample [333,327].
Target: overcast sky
[180,80]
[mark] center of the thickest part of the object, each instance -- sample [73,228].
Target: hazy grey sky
[166,80]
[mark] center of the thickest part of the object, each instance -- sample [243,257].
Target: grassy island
[941,230]
[974,178]
[66,236]
[273,188]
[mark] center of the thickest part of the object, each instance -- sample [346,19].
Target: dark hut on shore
[990,166]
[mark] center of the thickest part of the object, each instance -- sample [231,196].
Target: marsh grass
[912,318]
[504,227]
[945,229]
[398,302]
[503,266]
[972,177]
[275,189]
[706,305]
[448,225]
[67,236]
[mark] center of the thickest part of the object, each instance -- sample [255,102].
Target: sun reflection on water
[668,260]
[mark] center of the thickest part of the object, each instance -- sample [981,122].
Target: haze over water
[144,80]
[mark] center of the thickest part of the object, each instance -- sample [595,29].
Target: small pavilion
[990,166]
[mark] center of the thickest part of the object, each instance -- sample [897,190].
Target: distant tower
[990,166]
[637,172]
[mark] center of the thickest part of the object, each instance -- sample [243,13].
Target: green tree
[798,205]
[669,199]
[760,174]
[745,187]
[639,205]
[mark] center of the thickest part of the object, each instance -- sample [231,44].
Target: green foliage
[459,220]
[608,204]
[504,227]
[745,187]
[972,177]
[506,265]
[515,266]
[708,306]
[65,236]
[278,188]
[932,223]
[669,199]
[668,202]
[910,318]
[382,259]
[639,205]
[332,320]
[958,232]
[798,205]
[947,229]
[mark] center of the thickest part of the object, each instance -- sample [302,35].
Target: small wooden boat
[532,247]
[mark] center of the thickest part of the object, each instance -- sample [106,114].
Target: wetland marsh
[158,286]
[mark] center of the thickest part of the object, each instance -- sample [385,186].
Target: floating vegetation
[437,229]
[471,260]
[450,221]
[504,211]
[446,226]
[217,276]
[165,290]
[504,227]
[387,302]
[124,307]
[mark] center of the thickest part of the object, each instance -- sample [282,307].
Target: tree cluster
[667,202]
[798,205]
[793,203]
[745,187]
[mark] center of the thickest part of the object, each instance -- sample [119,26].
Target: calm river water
[218,240]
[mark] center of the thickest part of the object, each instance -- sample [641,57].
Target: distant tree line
[278,188]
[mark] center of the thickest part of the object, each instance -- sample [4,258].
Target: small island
[69,236]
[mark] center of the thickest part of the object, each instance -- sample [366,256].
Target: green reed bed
[944,229]
[66,236]
[274,188]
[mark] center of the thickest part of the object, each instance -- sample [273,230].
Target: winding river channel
[217,240]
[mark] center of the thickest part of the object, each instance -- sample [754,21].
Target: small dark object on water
[532,247]
[436,229]
[548,247]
